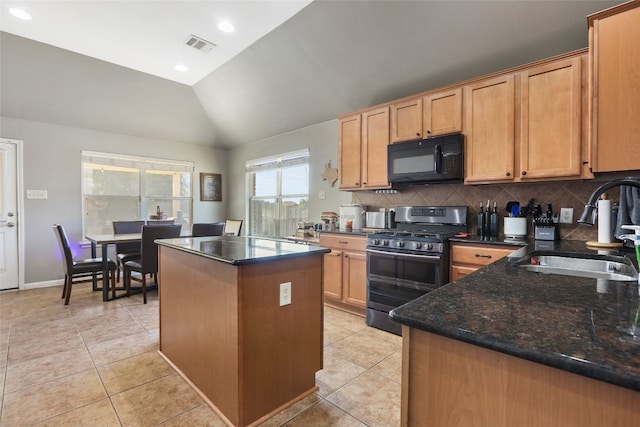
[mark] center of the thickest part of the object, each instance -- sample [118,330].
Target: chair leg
[118,266]
[113,283]
[68,293]
[144,289]
[94,281]
[64,287]
[126,279]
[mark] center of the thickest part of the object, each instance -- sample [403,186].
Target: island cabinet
[446,382]
[437,113]
[614,58]
[467,258]
[345,275]
[241,319]
[527,126]
[362,143]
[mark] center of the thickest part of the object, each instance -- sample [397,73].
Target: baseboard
[45,284]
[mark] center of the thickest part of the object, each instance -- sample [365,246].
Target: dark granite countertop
[353,233]
[242,250]
[571,323]
[501,240]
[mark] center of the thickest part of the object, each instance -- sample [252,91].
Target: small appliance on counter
[329,221]
[376,220]
[305,229]
[353,213]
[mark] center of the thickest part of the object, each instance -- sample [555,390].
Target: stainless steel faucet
[587,214]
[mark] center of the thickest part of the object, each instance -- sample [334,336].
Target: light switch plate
[285,293]
[37,194]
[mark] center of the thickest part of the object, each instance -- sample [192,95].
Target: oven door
[395,278]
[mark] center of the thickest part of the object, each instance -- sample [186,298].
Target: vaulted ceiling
[329,58]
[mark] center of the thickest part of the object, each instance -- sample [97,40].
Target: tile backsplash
[561,194]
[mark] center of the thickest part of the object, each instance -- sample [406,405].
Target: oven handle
[425,257]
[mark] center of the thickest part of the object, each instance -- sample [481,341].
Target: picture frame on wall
[210,187]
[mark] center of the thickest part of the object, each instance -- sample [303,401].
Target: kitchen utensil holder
[545,229]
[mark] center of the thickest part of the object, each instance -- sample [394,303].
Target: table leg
[94,284]
[105,273]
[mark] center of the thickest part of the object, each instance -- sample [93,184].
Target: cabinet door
[355,278]
[332,275]
[349,149]
[406,120]
[375,139]
[615,87]
[443,112]
[459,271]
[551,100]
[490,126]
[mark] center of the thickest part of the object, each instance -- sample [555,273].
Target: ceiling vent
[199,43]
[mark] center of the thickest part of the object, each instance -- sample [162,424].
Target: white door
[8,215]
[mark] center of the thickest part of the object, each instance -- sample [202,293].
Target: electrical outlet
[285,293]
[566,215]
[37,194]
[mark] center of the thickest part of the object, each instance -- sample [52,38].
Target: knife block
[546,230]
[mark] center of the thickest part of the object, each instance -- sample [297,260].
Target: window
[278,193]
[119,187]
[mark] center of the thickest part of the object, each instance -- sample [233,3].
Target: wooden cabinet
[406,120]
[468,257]
[614,62]
[543,142]
[437,113]
[362,142]
[490,130]
[443,112]
[345,271]
[550,120]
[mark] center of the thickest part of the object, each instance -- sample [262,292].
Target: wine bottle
[494,221]
[481,226]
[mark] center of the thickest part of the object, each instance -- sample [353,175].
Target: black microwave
[438,159]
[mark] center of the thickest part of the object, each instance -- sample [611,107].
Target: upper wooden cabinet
[614,62]
[550,121]
[406,120]
[490,130]
[443,112]
[362,146]
[437,113]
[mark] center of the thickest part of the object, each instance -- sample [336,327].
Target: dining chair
[126,251]
[161,222]
[148,261]
[202,229]
[79,267]
[232,227]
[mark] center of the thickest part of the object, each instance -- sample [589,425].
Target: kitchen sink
[597,266]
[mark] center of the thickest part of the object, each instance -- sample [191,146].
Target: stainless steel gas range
[410,260]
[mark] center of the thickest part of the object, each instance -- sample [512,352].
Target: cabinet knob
[508,173]
[428,131]
[364,183]
[417,133]
[357,183]
[524,173]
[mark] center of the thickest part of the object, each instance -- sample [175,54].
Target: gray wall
[322,141]
[52,163]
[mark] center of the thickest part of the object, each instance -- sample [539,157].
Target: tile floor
[96,364]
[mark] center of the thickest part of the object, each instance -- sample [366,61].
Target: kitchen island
[505,346]
[226,325]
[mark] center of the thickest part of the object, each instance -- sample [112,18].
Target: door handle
[10,224]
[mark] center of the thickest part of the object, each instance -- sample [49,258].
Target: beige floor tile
[201,416]
[97,414]
[342,318]
[32,349]
[382,399]
[155,402]
[367,347]
[291,412]
[46,330]
[46,400]
[324,414]
[336,373]
[22,374]
[391,367]
[120,348]
[133,371]
[96,319]
[111,330]
[335,332]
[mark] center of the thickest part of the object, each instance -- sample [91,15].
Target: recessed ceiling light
[19,13]
[226,27]
[181,67]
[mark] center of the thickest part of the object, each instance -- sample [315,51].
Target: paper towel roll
[604,221]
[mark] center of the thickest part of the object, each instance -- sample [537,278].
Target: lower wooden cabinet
[468,257]
[345,272]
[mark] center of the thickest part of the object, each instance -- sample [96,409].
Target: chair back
[63,241]
[232,227]
[161,222]
[207,229]
[127,227]
[149,253]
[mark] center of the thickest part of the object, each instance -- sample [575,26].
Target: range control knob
[418,245]
[429,246]
[385,243]
[400,244]
[376,242]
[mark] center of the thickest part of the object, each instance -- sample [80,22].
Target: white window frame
[143,165]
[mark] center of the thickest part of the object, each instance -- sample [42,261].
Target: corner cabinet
[469,257]
[362,145]
[345,272]
[614,63]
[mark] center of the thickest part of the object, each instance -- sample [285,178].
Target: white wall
[322,141]
[52,163]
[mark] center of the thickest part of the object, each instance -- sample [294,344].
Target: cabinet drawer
[479,255]
[340,241]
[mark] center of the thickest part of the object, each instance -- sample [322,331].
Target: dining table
[105,240]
